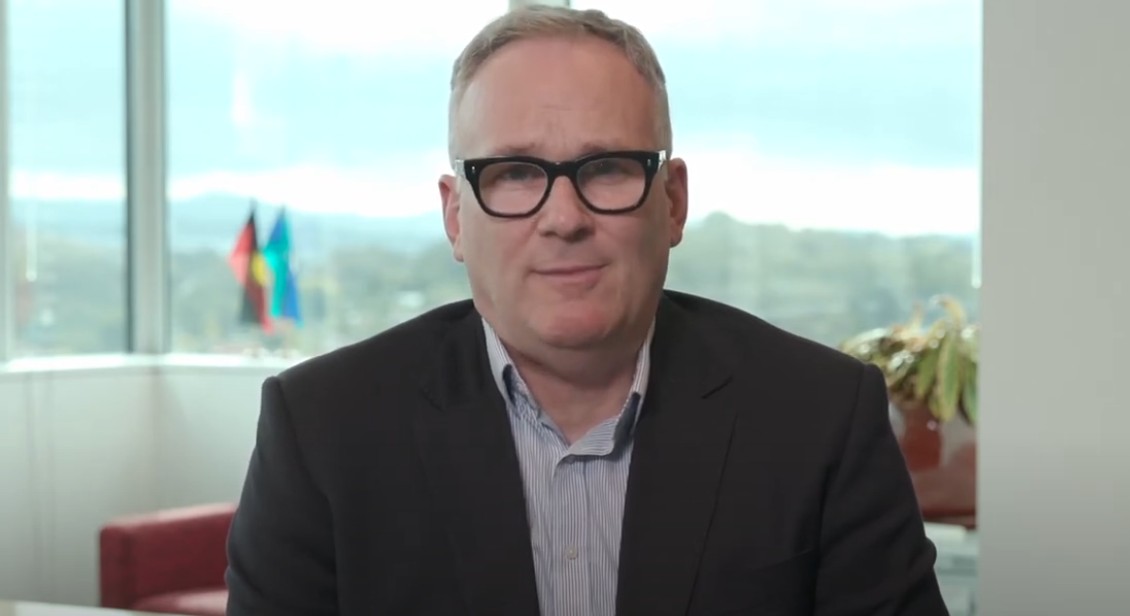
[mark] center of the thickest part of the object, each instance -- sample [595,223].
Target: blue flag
[284,290]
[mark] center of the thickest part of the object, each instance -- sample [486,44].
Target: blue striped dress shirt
[574,492]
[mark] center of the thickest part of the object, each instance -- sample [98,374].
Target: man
[575,440]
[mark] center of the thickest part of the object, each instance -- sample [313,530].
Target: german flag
[250,269]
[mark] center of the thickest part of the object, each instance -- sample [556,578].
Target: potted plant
[931,374]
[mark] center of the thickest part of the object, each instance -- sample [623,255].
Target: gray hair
[541,21]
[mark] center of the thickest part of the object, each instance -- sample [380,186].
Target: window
[67,146]
[833,153]
[336,114]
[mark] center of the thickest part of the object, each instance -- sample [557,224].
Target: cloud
[893,198]
[349,26]
[837,23]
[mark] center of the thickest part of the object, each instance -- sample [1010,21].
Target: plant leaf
[949,378]
[969,395]
[934,402]
[953,309]
[926,371]
[902,366]
[971,342]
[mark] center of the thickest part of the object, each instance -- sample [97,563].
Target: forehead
[556,97]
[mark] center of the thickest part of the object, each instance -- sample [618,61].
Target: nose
[564,214]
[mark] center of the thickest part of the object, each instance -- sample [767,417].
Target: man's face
[566,277]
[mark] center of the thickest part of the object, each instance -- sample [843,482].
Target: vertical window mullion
[7,303]
[147,289]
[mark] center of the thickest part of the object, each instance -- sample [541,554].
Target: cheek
[492,249]
[650,239]
[637,256]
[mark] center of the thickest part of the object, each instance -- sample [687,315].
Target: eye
[519,173]
[612,170]
[608,166]
[512,175]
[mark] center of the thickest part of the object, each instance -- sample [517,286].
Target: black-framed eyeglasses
[518,186]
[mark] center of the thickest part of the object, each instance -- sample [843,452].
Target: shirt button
[571,553]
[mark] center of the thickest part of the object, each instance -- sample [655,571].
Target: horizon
[898,200]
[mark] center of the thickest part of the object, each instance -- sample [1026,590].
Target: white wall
[207,430]
[82,445]
[1055,471]
[18,534]
[76,448]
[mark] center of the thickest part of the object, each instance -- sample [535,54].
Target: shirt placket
[568,508]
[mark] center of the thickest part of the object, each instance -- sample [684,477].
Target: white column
[7,233]
[145,121]
[1054,485]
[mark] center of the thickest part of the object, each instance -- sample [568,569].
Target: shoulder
[801,392]
[797,382]
[743,338]
[385,358]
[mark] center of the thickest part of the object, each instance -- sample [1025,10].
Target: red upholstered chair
[170,561]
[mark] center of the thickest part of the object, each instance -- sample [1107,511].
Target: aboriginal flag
[250,269]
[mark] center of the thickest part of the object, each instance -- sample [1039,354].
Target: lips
[568,270]
[572,277]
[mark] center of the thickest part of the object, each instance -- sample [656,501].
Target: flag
[250,270]
[284,289]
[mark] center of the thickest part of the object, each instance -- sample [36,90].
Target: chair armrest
[162,552]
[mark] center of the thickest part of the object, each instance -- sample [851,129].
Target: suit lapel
[472,467]
[681,443]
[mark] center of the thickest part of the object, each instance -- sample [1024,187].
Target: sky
[375,28]
[249,59]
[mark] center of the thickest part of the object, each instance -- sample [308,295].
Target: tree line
[823,284]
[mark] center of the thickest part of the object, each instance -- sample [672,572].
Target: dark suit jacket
[765,480]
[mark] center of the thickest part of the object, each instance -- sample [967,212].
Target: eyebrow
[530,149]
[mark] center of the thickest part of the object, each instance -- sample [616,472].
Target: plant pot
[942,459]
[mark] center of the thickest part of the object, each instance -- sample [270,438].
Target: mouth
[571,274]
[568,270]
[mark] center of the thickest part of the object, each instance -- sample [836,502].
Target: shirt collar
[500,362]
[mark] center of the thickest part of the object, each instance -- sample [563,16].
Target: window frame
[7,299]
[147,307]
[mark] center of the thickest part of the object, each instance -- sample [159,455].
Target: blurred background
[854,167]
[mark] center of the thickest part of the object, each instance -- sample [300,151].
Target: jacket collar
[681,444]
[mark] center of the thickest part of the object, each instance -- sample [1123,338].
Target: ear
[449,197]
[675,186]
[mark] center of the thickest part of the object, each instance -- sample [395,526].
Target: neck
[580,389]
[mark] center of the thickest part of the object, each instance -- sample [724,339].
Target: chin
[574,328]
